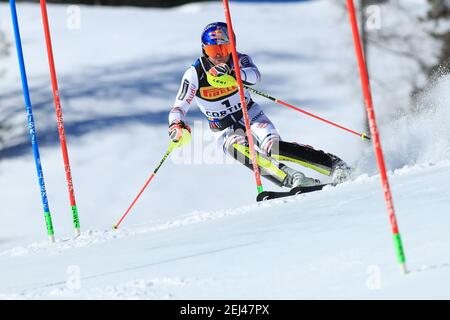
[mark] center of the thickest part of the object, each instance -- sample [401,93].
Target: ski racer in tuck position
[223,110]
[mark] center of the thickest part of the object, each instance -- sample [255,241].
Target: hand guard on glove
[220,70]
[176,130]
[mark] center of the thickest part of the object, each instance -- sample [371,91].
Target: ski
[269,195]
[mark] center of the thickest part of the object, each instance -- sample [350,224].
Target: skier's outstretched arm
[185,97]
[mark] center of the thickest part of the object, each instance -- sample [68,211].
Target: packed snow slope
[197,232]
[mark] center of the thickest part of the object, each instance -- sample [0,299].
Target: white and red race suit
[222,106]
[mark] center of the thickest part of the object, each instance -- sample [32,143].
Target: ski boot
[340,171]
[296,178]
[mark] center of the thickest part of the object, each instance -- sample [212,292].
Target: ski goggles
[214,50]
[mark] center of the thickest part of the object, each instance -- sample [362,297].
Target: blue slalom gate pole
[31,125]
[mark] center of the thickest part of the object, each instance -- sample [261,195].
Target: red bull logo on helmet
[220,36]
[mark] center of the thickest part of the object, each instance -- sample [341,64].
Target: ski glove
[220,70]
[176,130]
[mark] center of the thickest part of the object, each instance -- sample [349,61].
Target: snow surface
[197,233]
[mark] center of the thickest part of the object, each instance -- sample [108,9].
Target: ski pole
[166,155]
[59,119]
[31,124]
[362,135]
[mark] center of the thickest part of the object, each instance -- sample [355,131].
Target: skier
[223,110]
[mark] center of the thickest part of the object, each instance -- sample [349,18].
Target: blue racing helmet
[215,40]
[215,33]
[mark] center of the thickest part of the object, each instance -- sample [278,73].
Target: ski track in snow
[160,288]
[169,287]
[93,237]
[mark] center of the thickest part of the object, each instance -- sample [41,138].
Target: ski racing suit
[223,110]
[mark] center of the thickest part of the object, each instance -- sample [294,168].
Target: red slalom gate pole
[376,138]
[242,96]
[59,118]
